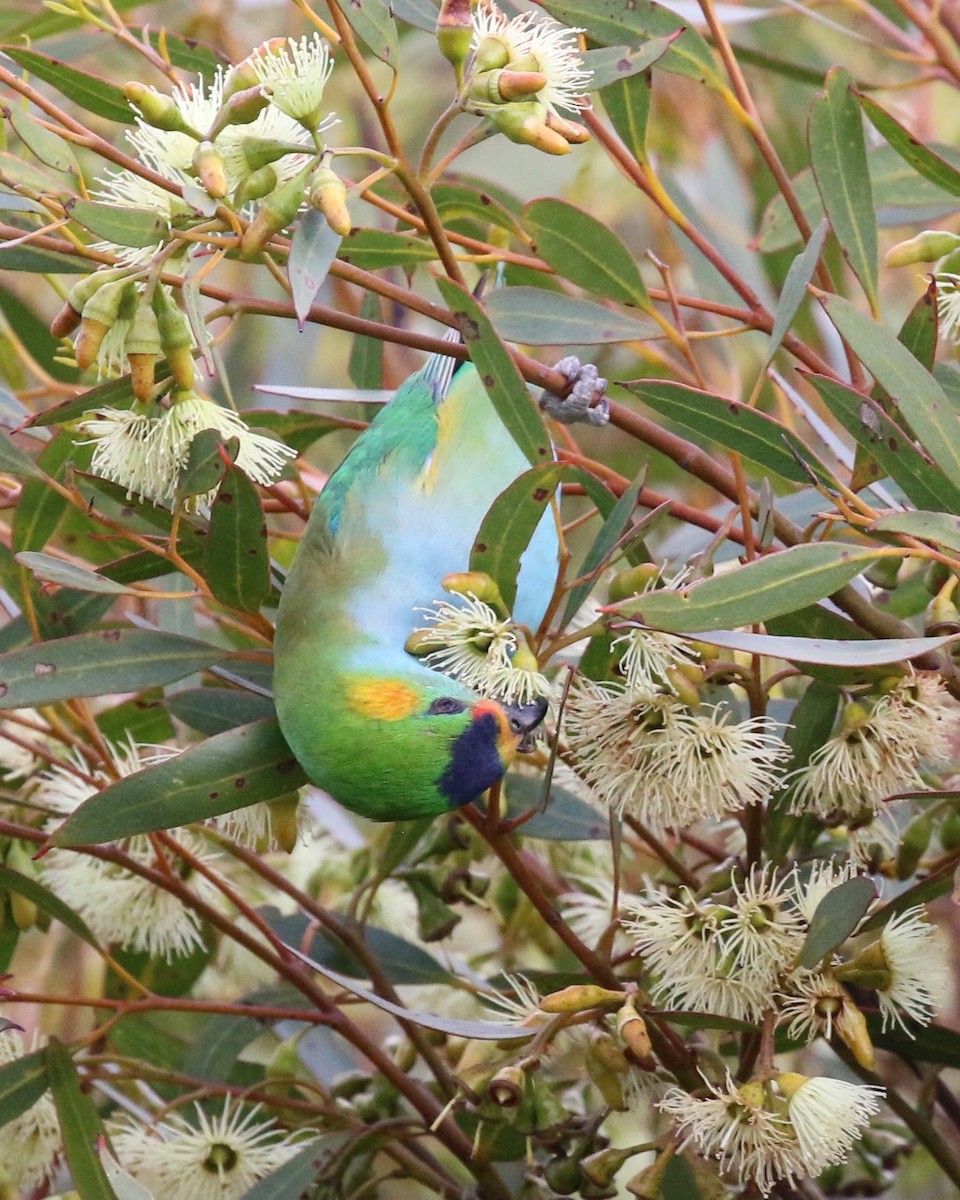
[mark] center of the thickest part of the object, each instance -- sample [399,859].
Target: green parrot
[377,729]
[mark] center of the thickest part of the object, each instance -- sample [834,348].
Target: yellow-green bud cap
[601,1166]
[142,348]
[579,997]
[276,212]
[790,1082]
[329,196]
[927,246]
[242,108]
[951,264]
[176,339]
[572,131]
[242,77]
[683,686]
[941,617]
[100,313]
[475,583]
[455,31]
[209,166]
[284,823]
[257,184]
[156,109]
[502,86]
[913,845]
[633,1030]
[82,292]
[632,582]
[492,54]
[853,1032]
[259,152]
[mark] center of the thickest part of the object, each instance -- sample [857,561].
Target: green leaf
[584,250]
[614,63]
[839,160]
[293,1179]
[613,22]
[137,227]
[925,162]
[173,976]
[22,1083]
[565,817]
[509,525]
[811,723]
[237,565]
[80,1125]
[735,426]
[199,58]
[99,664]
[488,1031]
[88,91]
[41,506]
[827,652]
[628,107]
[47,146]
[232,770]
[365,367]
[313,249]
[461,200]
[55,570]
[920,398]
[206,463]
[115,394]
[540,318]
[795,287]
[610,533]
[374,25]
[924,484]
[943,529]
[498,373]
[13,460]
[220,1043]
[837,916]
[777,583]
[212,710]
[376,248]
[125,1187]
[46,901]
[38,261]
[298,429]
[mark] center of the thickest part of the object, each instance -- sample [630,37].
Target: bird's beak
[524,719]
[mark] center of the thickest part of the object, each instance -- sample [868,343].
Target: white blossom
[948,304]
[535,42]
[293,77]
[915,957]
[29,1144]
[218,1158]
[648,655]
[827,1116]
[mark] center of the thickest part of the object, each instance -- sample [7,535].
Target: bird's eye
[446,705]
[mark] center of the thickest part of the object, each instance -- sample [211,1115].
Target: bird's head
[408,744]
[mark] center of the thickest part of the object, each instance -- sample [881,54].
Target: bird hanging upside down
[383,733]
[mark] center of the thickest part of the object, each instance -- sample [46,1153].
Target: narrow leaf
[88,91]
[312,251]
[23,885]
[376,248]
[564,816]
[373,22]
[237,561]
[498,373]
[509,525]
[484,1031]
[943,529]
[584,250]
[22,1083]
[735,426]
[795,287]
[839,160]
[212,710]
[925,485]
[866,653]
[537,317]
[224,773]
[837,916]
[14,461]
[137,227]
[628,107]
[920,398]
[613,63]
[55,570]
[775,584]
[48,147]
[99,664]
[80,1125]
[293,1179]
[925,162]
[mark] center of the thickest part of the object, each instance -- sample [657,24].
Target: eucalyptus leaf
[537,317]
[22,1083]
[229,771]
[86,90]
[801,271]
[837,915]
[55,570]
[376,248]
[48,146]
[610,64]
[120,224]
[866,653]
[80,1125]
[943,529]
[925,161]
[312,251]
[237,559]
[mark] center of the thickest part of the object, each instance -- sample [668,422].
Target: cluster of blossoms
[517,72]
[481,647]
[877,750]
[733,954]
[120,906]
[781,1129]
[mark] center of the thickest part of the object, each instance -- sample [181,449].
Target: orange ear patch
[383,699]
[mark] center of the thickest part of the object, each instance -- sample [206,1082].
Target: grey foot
[586,400]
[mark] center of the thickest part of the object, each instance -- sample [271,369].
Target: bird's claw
[586,399]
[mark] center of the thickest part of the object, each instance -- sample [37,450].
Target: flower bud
[242,108]
[503,86]
[176,340]
[563,1175]
[276,212]
[926,246]
[853,1032]
[524,124]
[633,1030]
[492,53]
[606,1065]
[632,582]
[142,348]
[329,196]
[913,845]
[100,313]
[572,131]
[285,1062]
[950,830]
[683,687]
[242,77]
[284,824]
[210,169]
[601,1166]
[579,997]
[455,32]
[478,584]
[941,617]
[435,920]
[883,573]
[156,109]
[257,184]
